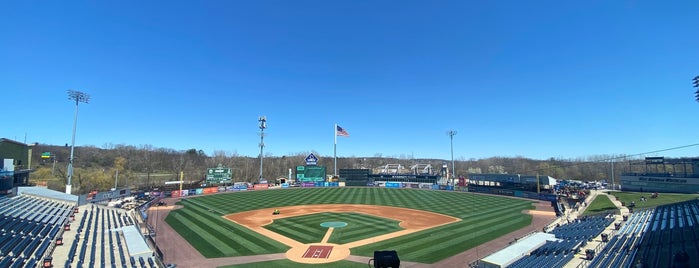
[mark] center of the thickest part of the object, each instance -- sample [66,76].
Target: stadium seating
[29,226]
[624,243]
[662,237]
[572,237]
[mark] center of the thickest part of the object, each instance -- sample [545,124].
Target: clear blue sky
[537,79]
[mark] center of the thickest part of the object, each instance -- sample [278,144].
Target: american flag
[341,132]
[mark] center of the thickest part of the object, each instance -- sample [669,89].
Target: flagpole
[335,150]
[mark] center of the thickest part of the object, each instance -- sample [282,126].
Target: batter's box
[318,252]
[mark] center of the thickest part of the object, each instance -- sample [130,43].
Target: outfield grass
[663,198]
[214,236]
[483,217]
[600,204]
[306,229]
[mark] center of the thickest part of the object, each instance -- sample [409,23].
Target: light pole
[613,174]
[78,97]
[696,85]
[263,125]
[451,134]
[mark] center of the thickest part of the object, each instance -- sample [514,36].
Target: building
[532,183]
[15,164]
[663,175]
[527,186]
[417,174]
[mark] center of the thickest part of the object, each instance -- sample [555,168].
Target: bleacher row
[667,236]
[29,227]
[572,237]
[621,248]
[99,242]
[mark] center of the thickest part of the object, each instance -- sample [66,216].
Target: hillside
[146,167]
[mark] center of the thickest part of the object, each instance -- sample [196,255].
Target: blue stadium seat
[17,263]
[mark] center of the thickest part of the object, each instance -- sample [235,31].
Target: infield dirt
[411,221]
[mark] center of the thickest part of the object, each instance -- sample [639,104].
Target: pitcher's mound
[333,224]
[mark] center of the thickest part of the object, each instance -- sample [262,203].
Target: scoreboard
[219,175]
[310,173]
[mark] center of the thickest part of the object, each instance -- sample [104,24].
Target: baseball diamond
[433,227]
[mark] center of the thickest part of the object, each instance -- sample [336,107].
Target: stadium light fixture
[78,97]
[263,124]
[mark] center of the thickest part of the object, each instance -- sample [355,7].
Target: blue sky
[537,79]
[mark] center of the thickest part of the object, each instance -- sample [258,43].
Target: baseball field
[328,225]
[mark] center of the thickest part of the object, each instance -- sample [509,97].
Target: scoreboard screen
[218,175]
[310,173]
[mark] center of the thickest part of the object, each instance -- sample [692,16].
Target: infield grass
[484,218]
[306,229]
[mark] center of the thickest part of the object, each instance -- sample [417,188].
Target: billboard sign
[311,160]
[655,160]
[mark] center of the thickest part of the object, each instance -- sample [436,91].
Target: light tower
[78,97]
[451,134]
[263,125]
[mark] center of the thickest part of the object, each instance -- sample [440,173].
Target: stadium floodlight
[263,125]
[696,85]
[78,97]
[451,134]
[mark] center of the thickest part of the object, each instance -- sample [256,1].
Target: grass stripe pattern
[483,218]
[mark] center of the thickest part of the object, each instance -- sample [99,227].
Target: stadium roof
[135,244]
[514,252]
[43,192]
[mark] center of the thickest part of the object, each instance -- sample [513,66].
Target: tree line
[148,167]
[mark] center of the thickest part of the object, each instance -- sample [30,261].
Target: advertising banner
[426,185]
[393,184]
[176,193]
[261,186]
[308,184]
[199,191]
